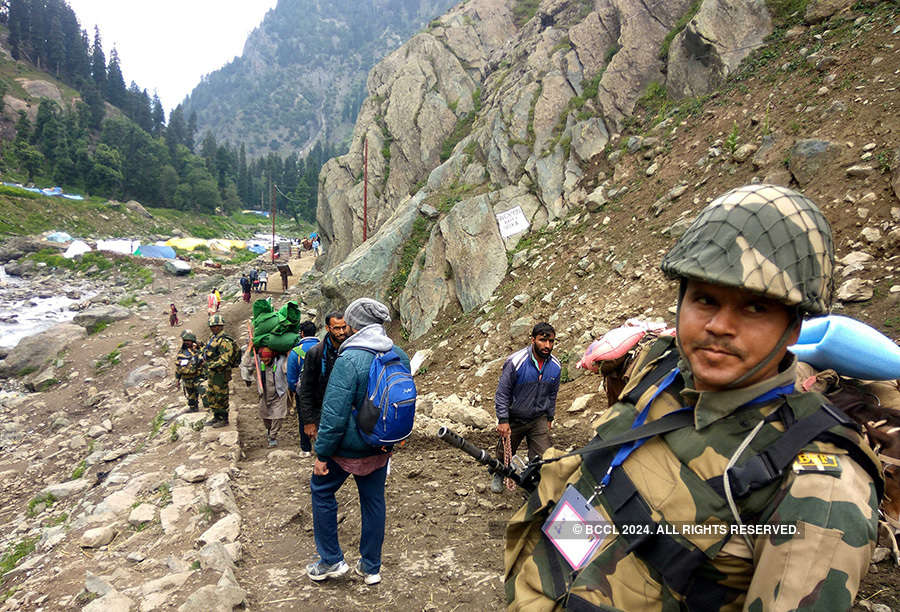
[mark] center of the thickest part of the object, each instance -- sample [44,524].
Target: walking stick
[255,358]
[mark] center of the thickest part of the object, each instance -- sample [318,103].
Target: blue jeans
[372,507]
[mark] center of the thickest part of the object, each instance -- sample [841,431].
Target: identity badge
[575,528]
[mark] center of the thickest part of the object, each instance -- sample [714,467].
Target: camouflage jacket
[833,503]
[189,363]
[219,352]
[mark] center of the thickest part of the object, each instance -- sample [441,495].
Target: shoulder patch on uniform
[816,462]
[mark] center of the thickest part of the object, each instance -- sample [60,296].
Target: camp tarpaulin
[59,237]
[223,245]
[257,248]
[160,252]
[187,244]
[78,247]
[125,247]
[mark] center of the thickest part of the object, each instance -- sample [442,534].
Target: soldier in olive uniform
[189,368]
[219,354]
[737,447]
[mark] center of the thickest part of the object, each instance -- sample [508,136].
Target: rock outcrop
[477,116]
[33,352]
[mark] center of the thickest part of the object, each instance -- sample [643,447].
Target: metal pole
[272,191]
[366,190]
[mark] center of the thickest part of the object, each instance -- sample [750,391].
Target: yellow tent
[188,244]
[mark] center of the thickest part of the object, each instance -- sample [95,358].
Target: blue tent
[162,252]
[257,248]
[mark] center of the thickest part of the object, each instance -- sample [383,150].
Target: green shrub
[15,553]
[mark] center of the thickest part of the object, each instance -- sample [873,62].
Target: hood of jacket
[371,337]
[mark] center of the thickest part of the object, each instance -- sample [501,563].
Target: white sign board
[511,222]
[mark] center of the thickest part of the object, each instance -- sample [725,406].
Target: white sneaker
[319,571]
[305,454]
[370,579]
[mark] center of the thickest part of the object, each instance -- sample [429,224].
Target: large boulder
[809,155]
[714,43]
[820,10]
[367,271]
[32,352]
[144,373]
[449,273]
[93,317]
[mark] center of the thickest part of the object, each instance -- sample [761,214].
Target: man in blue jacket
[294,366]
[341,451]
[525,401]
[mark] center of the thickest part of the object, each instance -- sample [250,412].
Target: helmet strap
[796,320]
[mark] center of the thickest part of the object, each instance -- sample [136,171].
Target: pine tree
[115,83]
[98,64]
[158,116]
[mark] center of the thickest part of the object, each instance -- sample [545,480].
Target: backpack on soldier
[236,355]
[188,366]
[389,408]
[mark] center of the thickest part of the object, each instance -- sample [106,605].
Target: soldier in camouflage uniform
[189,368]
[219,355]
[678,506]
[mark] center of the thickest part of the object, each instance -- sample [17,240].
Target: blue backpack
[389,408]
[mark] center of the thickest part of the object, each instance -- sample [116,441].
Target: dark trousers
[536,432]
[305,442]
[372,508]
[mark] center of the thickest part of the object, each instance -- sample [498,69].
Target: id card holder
[575,528]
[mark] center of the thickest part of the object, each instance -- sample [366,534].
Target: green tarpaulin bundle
[280,343]
[276,330]
[262,306]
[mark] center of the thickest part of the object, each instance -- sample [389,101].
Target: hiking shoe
[497,483]
[370,579]
[305,454]
[273,442]
[217,422]
[320,570]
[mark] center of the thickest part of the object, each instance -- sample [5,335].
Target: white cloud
[166,46]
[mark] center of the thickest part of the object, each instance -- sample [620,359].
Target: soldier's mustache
[718,345]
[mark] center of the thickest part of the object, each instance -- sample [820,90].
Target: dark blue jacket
[338,432]
[524,392]
[295,360]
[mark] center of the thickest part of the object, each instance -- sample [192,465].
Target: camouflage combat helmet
[766,239]
[188,335]
[216,319]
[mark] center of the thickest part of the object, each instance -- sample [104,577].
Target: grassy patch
[165,494]
[173,432]
[57,520]
[679,26]
[15,553]
[420,231]
[787,11]
[112,358]
[79,470]
[524,10]
[156,424]
[46,499]
[462,128]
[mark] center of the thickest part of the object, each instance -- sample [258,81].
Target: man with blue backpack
[370,377]
[295,360]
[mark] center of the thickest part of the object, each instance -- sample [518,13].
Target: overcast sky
[167,45]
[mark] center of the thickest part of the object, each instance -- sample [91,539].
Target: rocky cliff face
[493,109]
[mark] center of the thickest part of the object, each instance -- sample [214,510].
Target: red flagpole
[366,190]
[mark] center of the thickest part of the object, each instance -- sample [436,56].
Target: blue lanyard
[626,449]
